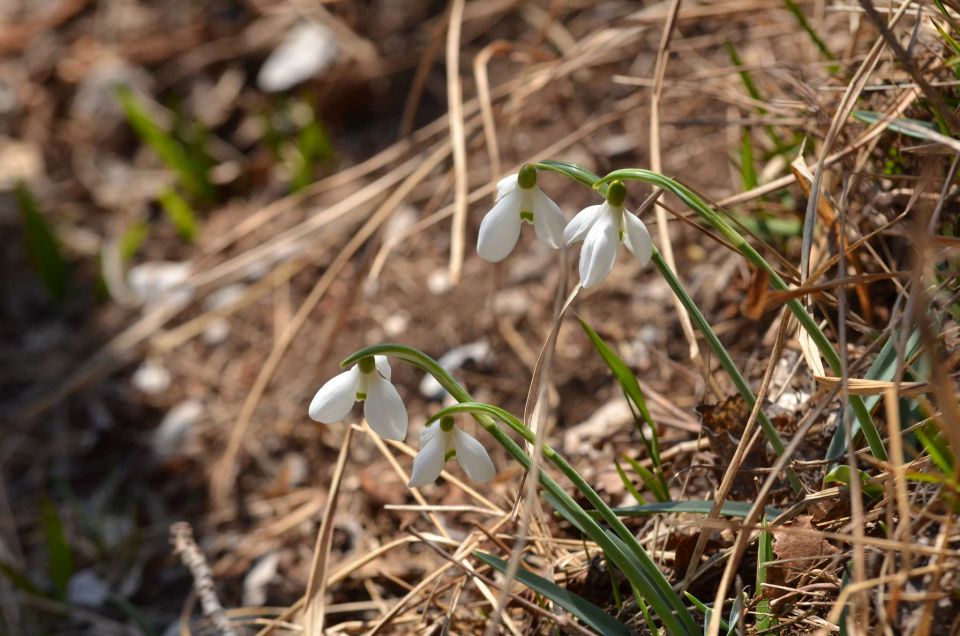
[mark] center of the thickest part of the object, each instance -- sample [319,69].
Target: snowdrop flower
[440,442]
[369,382]
[518,200]
[602,228]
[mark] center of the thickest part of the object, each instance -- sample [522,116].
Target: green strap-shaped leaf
[590,614]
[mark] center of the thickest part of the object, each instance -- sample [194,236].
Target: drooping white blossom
[367,381]
[440,441]
[519,200]
[602,228]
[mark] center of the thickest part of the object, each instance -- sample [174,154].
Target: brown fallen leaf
[803,545]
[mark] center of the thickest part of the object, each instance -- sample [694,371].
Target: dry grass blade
[458,229]
[656,164]
[536,411]
[315,601]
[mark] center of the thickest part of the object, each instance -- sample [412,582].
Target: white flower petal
[384,409]
[473,457]
[383,366]
[507,184]
[335,398]
[500,229]
[637,238]
[548,219]
[428,464]
[599,249]
[578,227]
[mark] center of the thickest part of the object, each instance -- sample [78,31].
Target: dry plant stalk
[181,536]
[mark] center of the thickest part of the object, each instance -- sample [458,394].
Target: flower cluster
[369,382]
[601,227]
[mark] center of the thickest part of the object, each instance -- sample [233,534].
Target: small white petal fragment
[599,250]
[428,464]
[335,398]
[548,219]
[637,238]
[500,229]
[578,227]
[306,51]
[384,409]
[383,366]
[507,184]
[473,457]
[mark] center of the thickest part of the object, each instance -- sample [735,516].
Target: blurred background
[206,205]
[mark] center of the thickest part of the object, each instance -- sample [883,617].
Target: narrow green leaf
[705,610]
[655,483]
[697,507]
[132,239]
[590,614]
[20,579]
[748,173]
[628,483]
[41,244]
[797,12]
[60,556]
[764,611]
[180,213]
[841,474]
[193,177]
[936,446]
[631,388]
[916,128]
[570,170]
[883,368]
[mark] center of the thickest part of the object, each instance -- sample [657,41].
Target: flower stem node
[519,200]
[442,441]
[368,381]
[602,228]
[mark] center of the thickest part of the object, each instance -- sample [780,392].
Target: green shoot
[41,244]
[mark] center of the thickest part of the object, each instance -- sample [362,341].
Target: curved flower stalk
[602,228]
[440,442]
[368,381]
[519,199]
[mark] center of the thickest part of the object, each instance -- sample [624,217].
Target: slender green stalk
[647,579]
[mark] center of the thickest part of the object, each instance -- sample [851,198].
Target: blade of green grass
[41,244]
[590,614]
[60,566]
[634,395]
[748,173]
[705,610]
[179,212]
[192,176]
[840,474]
[628,483]
[20,579]
[697,507]
[132,239]
[883,368]
[764,612]
[655,483]
[797,12]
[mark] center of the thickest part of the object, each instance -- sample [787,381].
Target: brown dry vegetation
[314,259]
